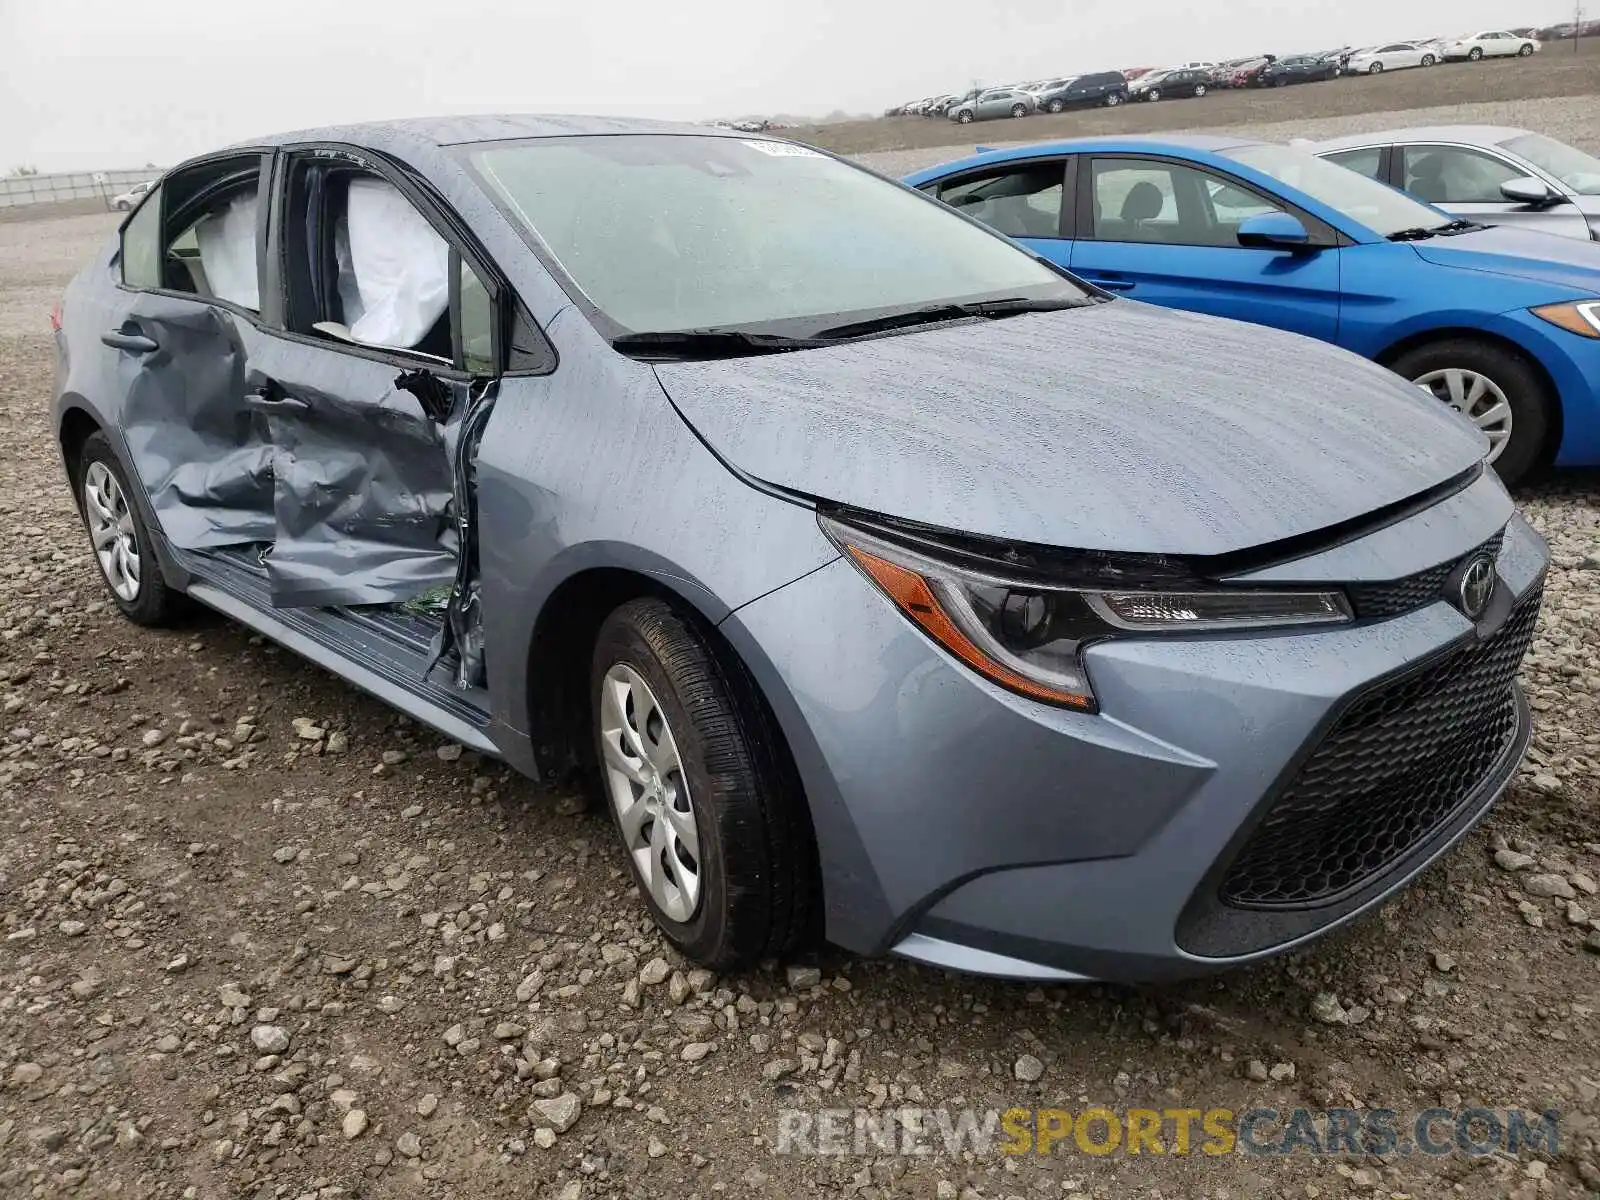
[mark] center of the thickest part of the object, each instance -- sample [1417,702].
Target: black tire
[155,603]
[1199,90]
[1153,95]
[1055,106]
[1525,50]
[964,117]
[1475,54]
[1375,69]
[1533,405]
[1428,60]
[757,860]
[1019,110]
[1114,99]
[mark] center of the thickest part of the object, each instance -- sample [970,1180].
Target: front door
[363,393]
[1165,232]
[1465,182]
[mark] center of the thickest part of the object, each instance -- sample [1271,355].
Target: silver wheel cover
[1477,397]
[645,779]
[105,509]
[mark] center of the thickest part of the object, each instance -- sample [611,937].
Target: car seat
[1425,179]
[1142,204]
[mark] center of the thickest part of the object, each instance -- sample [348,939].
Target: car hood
[1114,427]
[1522,253]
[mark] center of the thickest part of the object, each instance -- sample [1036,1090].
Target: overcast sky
[112,83]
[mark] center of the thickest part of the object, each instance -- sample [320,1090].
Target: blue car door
[1165,231]
[1025,200]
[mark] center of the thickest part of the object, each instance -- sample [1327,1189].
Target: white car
[131,197]
[1394,56]
[1491,44]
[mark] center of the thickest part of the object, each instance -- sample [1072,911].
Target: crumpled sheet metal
[203,457]
[363,497]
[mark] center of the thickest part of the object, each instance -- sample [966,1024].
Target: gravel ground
[259,936]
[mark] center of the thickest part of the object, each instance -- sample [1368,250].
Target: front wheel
[1525,50]
[964,117]
[1055,106]
[1498,390]
[1428,60]
[1114,99]
[1475,53]
[1019,110]
[1153,95]
[713,824]
[1199,90]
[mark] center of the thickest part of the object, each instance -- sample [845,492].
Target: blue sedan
[1501,324]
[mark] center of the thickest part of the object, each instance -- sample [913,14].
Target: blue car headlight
[1581,317]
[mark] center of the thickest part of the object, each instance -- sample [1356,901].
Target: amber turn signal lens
[915,598]
[1582,318]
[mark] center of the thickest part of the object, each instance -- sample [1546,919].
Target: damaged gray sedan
[884,581]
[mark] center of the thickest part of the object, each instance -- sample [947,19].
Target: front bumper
[965,826]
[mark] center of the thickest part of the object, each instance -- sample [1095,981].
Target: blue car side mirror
[1274,231]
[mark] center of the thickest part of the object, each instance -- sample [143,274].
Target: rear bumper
[961,825]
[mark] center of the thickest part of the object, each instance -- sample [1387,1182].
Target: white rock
[354,1124]
[270,1039]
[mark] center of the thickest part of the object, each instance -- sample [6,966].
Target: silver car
[880,579]
[1490,173]
[993,104]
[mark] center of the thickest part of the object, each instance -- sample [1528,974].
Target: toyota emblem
[1476,586]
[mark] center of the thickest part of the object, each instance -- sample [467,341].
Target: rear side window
[1023,202]
[1368,162]
[141,245]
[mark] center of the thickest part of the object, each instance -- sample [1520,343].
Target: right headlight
[1029,636]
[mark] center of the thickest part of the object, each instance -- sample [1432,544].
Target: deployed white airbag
[227,242]
[394,270]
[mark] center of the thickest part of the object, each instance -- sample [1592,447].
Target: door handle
[264,403]
[133,343]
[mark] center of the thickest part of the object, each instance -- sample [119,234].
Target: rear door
[363,388]
[1165,232]
[1023,200]
[185,335]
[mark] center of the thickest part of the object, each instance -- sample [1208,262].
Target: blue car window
[1022,202]
[1169,204]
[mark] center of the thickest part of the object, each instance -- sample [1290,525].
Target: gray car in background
[880,579]
[992,105]
[1489,173]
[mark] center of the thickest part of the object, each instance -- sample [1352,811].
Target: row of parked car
[1111,88]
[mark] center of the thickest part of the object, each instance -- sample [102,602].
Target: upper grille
[1394,767]
[1375,600]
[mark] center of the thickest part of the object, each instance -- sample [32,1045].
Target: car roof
[1475,135]
[1178,144]
[488,127]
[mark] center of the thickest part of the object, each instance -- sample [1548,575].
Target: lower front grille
[1393,769]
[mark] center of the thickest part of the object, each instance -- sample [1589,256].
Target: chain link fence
[19,190]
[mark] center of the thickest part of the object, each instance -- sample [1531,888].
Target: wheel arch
[77,426]
[1392,353]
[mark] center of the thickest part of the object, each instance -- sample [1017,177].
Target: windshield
[1579,171]
[687,231]
[1376,205]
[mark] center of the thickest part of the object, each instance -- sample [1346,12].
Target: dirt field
[1555,71]
[237,962]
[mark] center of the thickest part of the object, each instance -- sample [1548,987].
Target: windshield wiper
[935,313]
[708,343]
[1418,234]
[1460,225]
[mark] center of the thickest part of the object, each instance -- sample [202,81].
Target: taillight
[55,317]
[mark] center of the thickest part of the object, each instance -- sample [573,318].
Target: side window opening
[1020,202]
[1170,204]
[197,233]
[476,321]
[365,266]
[1367,161]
